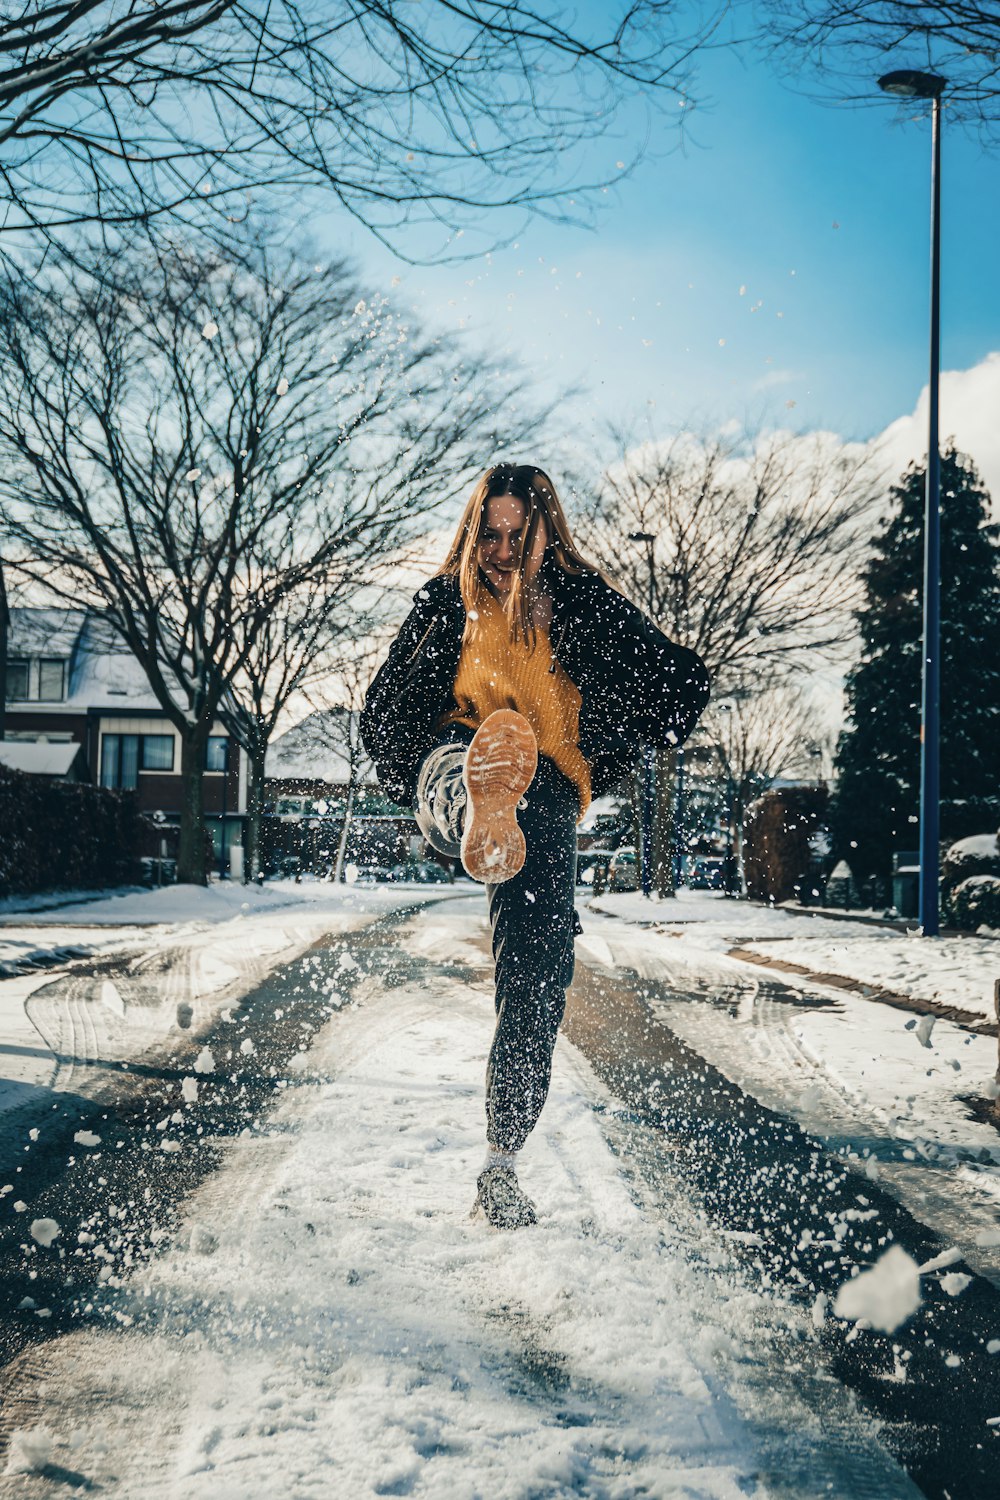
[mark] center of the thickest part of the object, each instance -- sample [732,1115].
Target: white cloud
[775,378]
[969,413]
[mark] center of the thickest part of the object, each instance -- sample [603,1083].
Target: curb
[869,991]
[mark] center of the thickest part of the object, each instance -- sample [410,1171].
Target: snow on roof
[103,672]
[43,759]
[44,632]
[316,750]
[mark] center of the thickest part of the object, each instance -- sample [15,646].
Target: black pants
[533,921]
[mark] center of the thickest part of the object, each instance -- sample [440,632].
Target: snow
[30,1452]
[207,942]
[44,1231]
[953,971]
[315,750]
[330,1317]
[38,759]
[848,1068]
[979,846]
[883,1296]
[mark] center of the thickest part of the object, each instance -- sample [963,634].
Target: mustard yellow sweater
[495,672]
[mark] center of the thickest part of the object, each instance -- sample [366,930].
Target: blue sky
[818,213]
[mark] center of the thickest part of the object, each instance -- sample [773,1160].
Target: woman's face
[500,542]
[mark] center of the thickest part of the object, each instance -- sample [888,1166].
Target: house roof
[315,749]
[44,632]
[43,759]
[102,673]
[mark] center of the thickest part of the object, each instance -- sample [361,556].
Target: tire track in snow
[808,1221]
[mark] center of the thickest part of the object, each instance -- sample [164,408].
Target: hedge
[63,834]
[976,903]
[776,853]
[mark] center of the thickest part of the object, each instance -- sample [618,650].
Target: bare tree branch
[204,447]
[113,111]
[741,549]
[847,44]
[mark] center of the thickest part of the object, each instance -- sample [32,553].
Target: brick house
[71,680]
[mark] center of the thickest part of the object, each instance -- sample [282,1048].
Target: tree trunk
[4,629]
[255,812]
[635,791]
[338,872]
[663,826]
[191,865]
[996,1007]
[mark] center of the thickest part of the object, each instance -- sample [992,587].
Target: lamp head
[909,83]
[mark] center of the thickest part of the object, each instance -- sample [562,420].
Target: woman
[519,687]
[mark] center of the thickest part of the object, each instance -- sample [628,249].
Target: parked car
[592,862]
[425,872]
[623,874]
[707,873]
[372,874]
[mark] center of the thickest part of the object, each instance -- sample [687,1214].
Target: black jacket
[636,686]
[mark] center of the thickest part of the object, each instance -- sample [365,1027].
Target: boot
[502,1201]
[441,798]
[499,767]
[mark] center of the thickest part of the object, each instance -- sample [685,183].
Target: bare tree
[848,44]
[743,549]
[337,701]
[756,735]
[113,111]
[320,633]
[192,441]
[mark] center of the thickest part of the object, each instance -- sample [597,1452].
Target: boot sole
[499,767]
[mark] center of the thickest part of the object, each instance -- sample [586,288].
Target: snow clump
[87,1138]
[29,1452]
[189,1090]
[884,1296]
[204,1062]
[44,1231]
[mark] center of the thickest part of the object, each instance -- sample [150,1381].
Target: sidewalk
[953,976]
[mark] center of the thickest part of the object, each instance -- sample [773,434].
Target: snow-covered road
[324,1316]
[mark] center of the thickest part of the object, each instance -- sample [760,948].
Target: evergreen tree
[876,811]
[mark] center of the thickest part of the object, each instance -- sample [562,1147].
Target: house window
[216,752]
[157,752]
[123,756]
[120,761]
[17,681]
[51,680]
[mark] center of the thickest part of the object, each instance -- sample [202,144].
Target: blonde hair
[537,494]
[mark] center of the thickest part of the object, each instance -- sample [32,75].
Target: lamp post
[225,807]
[910,84]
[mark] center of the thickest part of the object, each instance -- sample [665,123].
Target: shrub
[976,902]
[64,834]
[777,856]
[977,855]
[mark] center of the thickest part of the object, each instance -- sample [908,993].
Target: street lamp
[910,84]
